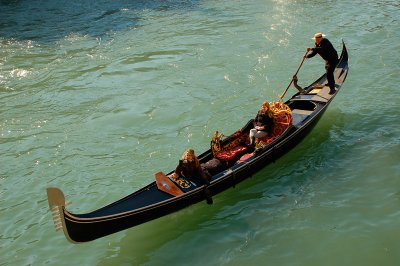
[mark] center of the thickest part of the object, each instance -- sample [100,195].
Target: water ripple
[97,96]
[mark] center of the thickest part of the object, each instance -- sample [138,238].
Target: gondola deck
[153,201]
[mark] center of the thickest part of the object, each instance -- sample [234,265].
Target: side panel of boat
[83,230]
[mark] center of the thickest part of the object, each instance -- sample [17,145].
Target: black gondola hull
[149,203]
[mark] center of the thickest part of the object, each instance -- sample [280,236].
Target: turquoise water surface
[96,97]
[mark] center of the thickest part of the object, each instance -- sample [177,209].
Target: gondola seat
[281,122]
[231,154]
[231,151]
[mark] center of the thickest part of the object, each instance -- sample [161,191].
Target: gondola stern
[57,205]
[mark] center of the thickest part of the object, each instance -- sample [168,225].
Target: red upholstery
[245,157]
[281,122]
[228,155]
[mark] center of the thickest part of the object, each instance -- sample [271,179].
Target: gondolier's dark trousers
[330,68]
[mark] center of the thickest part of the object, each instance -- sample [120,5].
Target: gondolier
[325,49]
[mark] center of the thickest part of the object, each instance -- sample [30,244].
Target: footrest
[166,185]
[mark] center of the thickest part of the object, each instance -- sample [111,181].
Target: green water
[96,97]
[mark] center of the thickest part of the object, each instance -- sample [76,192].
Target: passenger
[262,123]
[189,167]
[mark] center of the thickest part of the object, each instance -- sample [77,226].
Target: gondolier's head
[318,37]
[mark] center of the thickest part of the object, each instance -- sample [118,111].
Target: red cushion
[230,154]
[245,157]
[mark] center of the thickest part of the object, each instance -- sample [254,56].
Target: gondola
[236,162]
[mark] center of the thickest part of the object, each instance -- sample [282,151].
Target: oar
[302,61]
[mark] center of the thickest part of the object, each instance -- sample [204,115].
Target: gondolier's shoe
[207,194]
[333,89]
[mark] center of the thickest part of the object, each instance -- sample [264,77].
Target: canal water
[97,96]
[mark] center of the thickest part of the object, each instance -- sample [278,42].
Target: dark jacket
[326,50]
[263,120]
[189,170]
